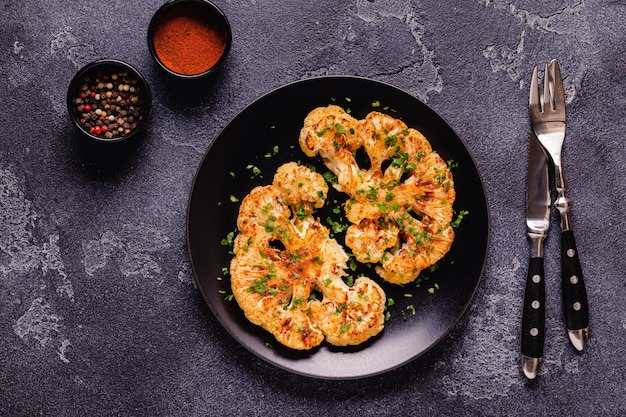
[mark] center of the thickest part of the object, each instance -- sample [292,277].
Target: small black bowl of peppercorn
[109,101]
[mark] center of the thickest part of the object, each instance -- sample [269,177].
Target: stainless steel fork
[547,114]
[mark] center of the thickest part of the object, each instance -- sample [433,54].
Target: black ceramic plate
[264,136]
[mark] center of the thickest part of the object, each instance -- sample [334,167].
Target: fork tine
[548,93]
[533,100]
[559,91]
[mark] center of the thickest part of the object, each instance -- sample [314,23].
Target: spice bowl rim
[220,18]
[103,63]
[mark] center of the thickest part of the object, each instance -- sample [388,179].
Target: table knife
[538,204]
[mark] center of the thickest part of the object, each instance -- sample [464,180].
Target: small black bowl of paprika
[109,100]
[189,39]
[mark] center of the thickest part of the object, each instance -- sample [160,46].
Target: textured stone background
[99,314]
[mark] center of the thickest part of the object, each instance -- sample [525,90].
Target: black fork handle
[575,304]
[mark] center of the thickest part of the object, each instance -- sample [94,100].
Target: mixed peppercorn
[109,105]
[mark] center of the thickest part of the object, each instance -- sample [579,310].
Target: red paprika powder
[187,39]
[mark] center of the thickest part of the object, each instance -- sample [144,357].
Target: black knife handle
[534,313]
[575,303]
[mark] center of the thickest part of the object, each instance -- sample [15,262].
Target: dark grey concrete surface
[99,313]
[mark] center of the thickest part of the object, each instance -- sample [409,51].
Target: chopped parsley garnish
[301,213]
[336,226]
[372,194]
[228,240]
[352,264]
[330,177]
[340,307]
[255,170]
[441,176]
[456,222]
[259,286]
[432,289]
[268,227]
[297,301]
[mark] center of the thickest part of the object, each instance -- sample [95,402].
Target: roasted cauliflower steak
[283,256]
[400,207]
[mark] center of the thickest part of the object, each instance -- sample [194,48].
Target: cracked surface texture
[99,310]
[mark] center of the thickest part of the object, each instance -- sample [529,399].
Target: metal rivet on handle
[576,306]
[571,253]
[536,279]
[535,304]
[534,331]
[573,279]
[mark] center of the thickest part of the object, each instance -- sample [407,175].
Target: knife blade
[538,204]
